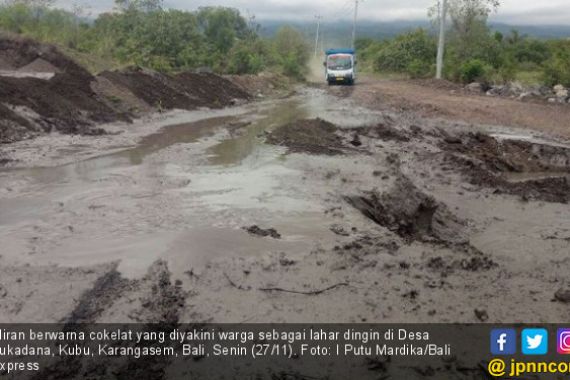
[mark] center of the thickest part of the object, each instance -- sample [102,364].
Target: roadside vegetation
[143,33]
[473,51]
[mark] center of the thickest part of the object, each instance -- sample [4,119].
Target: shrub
[400,53]
[247,58]
[557,68]
[420,69]
[473,70]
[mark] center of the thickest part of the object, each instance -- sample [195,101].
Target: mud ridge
[411,214]
[488,162]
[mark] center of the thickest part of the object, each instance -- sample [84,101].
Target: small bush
[473,70]
[420,69]
[507,72]
[399,54]
[557,68]
[247,58]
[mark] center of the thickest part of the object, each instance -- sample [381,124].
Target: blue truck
[340,66]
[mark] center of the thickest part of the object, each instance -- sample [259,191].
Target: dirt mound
[544,169]
[119,98]
[39,66]
[263,83]
[65,103]
[411,214]
[183,91]
[314,136]
[73,100]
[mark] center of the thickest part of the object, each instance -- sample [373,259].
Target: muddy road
[308,208]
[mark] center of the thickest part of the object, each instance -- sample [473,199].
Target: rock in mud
[270,232]
[482,315]
[411,214]
[475,87]
[314,136]
[562,295]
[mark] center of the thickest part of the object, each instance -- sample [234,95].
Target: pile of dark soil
[210,90]
[183,91]
[486,162]
[64,103]
[73,101]
[411,214]
[314,136]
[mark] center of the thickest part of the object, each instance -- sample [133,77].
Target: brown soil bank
[74,101]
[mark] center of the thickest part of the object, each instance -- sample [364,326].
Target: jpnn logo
[504,342]
[534,342]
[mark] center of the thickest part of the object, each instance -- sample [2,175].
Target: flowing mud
[304,209]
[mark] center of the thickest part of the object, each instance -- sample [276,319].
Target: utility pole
[441,45]
[318,17]
[354,23]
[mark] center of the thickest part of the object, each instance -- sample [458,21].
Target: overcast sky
[525,12]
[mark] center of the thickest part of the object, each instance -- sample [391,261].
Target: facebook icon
[503,342]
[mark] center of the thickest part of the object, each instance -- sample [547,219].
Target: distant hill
[338,33]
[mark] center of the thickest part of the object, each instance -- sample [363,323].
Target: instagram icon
[563,343]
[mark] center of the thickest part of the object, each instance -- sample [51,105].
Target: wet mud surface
[531,170]
[305,209]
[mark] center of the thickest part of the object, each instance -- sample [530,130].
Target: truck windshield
[339,62]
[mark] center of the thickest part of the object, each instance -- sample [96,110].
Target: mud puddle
[173,196]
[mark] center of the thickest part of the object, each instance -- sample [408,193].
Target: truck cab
[340,66]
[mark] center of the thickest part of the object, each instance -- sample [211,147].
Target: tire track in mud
[161,302]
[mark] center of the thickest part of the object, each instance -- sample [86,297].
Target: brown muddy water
[183,194]
[424,220]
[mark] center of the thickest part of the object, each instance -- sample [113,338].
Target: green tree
[293,51]
[406,51]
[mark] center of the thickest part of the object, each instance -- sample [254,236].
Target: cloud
[511,11]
